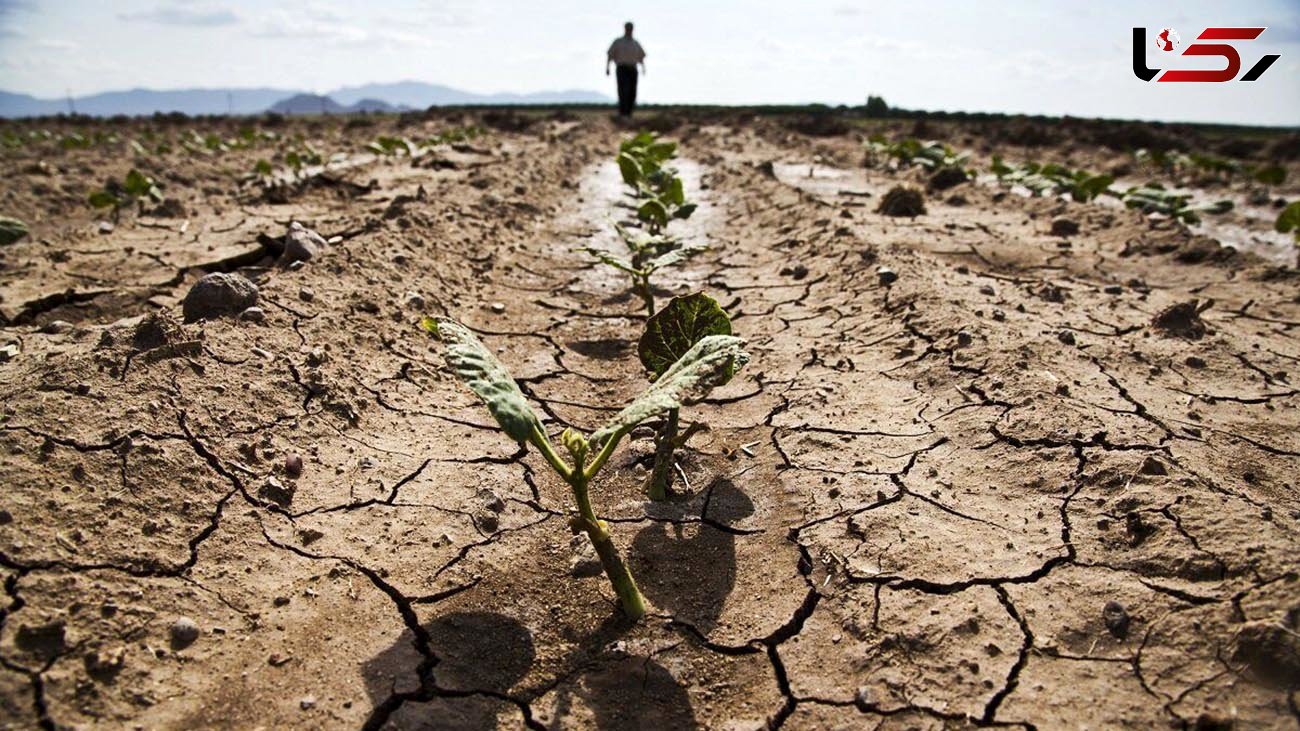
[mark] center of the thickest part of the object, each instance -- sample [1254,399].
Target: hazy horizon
[1012,57]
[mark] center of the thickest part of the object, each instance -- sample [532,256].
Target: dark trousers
[626,76]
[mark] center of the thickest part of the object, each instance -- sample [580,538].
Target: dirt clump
[1064,227]
[1182,320]
[902,201]
[1272,651]
[947,176]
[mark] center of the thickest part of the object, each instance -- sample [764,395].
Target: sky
[1016,56]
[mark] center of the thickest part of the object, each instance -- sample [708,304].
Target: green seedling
[668,336]
[394,146]
[1053,179]
[1270,175]
[661,194]
[912,152]
[641,273]
[135,188]
[1289,221]
[1176,162]
[11,230]
[709,363]
[1153,198]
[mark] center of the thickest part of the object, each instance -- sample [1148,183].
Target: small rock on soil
[219,294]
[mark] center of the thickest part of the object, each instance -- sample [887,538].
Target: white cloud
[319,25]
[184,15]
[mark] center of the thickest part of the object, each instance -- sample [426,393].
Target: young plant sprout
[1289,221]
[136,187]
[640,267]
[1153,198]
[910,152]
[710,362]
[668,336]
[1053,179]
[641,162]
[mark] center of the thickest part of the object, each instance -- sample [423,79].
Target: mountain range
[369,97]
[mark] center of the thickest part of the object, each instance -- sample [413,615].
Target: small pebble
[293,464]
[57,327]
[498,307]
[253,314]
[184,632]
[1116,619]
[306,294]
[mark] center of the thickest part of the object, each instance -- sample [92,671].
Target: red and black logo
[1167,40]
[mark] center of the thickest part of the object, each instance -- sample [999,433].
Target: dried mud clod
[1272,651]
[1183,320]
[217,295]
[156,330]
[946,177]
[902,201]
[1065,227]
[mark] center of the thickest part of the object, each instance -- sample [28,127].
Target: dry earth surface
[1003,486]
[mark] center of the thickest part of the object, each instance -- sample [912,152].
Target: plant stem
[629,596]
[661,478]
[647,294]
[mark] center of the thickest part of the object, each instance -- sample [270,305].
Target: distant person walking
[625,53]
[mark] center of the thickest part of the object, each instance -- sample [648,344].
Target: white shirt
[626,51]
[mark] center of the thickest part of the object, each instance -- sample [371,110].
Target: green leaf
[1271,175]
[681,252]
[137,183]
[1289,219]
[629,169]
[676,193]
[661,151]
[684,212]
[1091,186]
[653,211]
[103,199]
[709,363]
[483,373]
[614,261]
[11,230]
[643,139]
[1000,168]
[682,323]
[263,167]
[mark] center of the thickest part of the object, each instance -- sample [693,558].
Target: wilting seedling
[707,364]
[1153,198]
[1053,179]
[909,152]
[11,230]
[647,257]
[136,187]
[668,336]
[1220,168]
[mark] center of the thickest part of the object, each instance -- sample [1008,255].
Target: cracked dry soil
[989,493]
